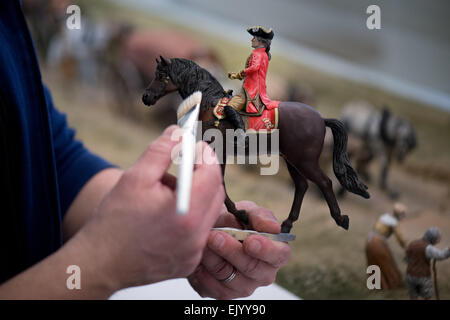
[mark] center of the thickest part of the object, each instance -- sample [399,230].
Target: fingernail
[254,246]
[271,220]
[218,241]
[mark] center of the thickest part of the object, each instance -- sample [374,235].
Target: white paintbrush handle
[186,168]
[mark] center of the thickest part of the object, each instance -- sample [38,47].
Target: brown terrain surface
[327,261]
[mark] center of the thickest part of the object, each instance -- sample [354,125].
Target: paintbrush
[187,115]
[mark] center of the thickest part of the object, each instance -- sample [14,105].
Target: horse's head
[405,140]
[161,85]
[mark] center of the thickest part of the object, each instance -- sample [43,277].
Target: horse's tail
[341,164]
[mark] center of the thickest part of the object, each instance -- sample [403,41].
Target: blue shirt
[42,165]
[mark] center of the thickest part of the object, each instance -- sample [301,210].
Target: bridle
[165,82]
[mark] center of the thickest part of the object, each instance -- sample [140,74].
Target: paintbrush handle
[186,168]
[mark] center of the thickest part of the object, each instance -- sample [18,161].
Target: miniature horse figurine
[301,136]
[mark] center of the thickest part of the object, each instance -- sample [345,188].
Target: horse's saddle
[264,120]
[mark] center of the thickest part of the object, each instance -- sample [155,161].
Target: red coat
[255,79]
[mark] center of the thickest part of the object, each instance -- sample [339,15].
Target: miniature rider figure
[253,95]
[378,251]
[419,255]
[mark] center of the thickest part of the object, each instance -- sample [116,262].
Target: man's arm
[88,199]
[434,253]
[83,177]
[133,237]
[399,236]
[48,278]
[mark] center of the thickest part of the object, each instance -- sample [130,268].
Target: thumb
[156,159]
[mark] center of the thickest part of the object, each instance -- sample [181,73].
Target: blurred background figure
[46,18]
[383,135]
[378,251]
[420,253]
[139,49]
[78,54]
[112,54]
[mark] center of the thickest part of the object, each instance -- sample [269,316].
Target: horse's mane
[190,77]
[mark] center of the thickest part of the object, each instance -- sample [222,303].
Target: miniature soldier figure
[419,254]
[253,95]
[378,251]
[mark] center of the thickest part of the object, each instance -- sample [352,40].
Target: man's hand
[135,236]
[137,229]
[257,259]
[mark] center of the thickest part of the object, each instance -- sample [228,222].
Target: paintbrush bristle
[189,103]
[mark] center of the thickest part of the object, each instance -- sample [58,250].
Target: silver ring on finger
[230,277]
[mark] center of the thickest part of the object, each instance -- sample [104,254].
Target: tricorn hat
[259,31]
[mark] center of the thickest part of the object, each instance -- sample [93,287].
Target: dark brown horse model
[301,136]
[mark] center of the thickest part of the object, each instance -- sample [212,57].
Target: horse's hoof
[242,217]
[285,227]
[344,222]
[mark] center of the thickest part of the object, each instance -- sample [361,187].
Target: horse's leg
[385,164]
[241,215]
[313,172]
[301,185]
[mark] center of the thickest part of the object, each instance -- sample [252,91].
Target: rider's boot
[235,118]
